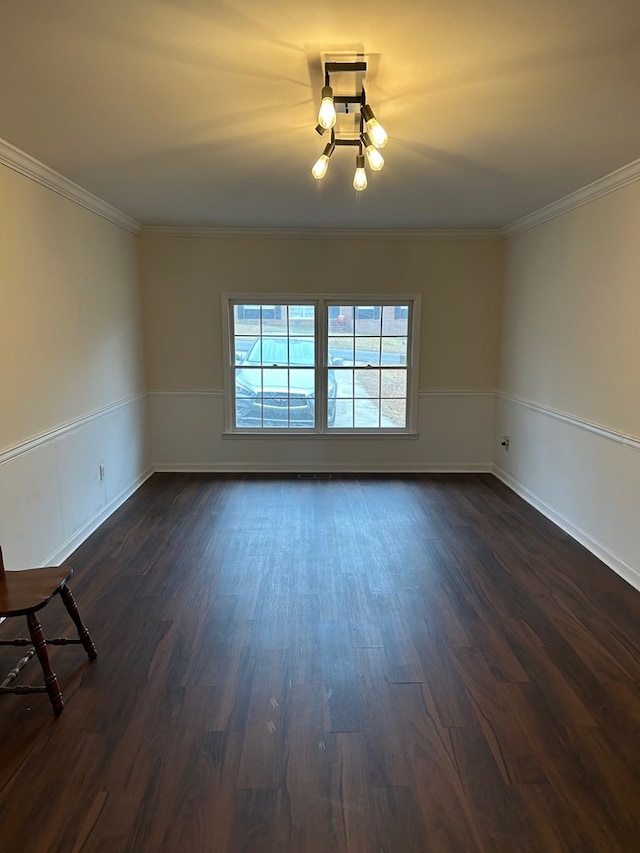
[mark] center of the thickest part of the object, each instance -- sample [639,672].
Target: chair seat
[29,590]
[24,592]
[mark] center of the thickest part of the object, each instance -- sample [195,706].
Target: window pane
[394,383]
[344,414]
[254,354]
[302,383]
[300,312]
[367,350]
[366,414]
[302,351]
[367,383]
[302,320]
[344,382]
[248,414]
[394,413]
[248,383]
[275,381]
[275,411]
[301,398]
[341,350]
[275,320]
[246,319]
[242,344]
[274,351]
[367,312]
[395,320]
[340,319]
[394,350]
[368,319]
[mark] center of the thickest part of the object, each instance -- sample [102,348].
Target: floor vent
[314,476]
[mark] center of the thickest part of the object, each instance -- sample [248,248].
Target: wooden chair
[23,593]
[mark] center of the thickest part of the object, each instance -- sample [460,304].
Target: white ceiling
[202,112]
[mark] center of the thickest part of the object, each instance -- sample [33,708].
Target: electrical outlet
[505,441]
[101,473]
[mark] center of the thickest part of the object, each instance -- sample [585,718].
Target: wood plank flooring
[375,664]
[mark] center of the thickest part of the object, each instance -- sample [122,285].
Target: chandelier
[370,137]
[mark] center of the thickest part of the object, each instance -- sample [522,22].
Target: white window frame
[322,303]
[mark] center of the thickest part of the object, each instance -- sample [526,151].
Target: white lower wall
[584,477]
[456,433]
[51,495]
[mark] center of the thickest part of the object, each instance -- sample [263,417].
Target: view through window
[353,359]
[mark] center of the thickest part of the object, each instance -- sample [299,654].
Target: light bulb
[327,112]
[360,177]
[378,134]
[320,167]
[376,131]
[375,158]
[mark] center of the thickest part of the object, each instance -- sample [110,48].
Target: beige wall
[182,280]
[70,341]
[571,338]
[570,374]
[72,379]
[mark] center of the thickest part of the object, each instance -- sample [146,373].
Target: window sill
[307,435]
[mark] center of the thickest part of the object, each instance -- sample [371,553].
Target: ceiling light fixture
[370,135]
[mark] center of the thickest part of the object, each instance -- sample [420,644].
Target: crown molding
[602,186]
[25,164]
[321,233]
[28,166]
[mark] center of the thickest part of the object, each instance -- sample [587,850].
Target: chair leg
[72,608]
[40,645]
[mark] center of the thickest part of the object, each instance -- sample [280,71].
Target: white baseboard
[266,468]
[620,567]
[92,525]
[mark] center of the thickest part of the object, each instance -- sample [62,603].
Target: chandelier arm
[345,66]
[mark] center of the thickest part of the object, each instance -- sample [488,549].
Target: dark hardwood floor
[378,664]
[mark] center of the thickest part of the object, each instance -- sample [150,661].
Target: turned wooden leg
[83,633]
[40,645]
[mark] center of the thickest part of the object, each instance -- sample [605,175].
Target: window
[322,365]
